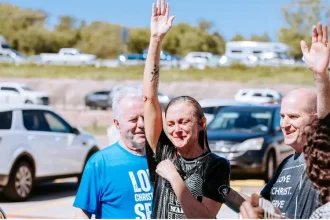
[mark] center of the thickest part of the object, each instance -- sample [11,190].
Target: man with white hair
[115,182]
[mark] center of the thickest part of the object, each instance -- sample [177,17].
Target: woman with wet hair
[190,181]
[317,156]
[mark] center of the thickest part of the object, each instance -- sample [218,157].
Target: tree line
[26,31]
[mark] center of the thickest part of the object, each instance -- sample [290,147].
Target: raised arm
[317,60]
[159,26]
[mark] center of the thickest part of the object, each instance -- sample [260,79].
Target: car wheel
[93,106]
[20,182]
[270,166]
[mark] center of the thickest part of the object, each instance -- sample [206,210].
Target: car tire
[93,106]
[270,166]
[20,182]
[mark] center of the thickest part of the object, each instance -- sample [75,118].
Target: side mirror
[75,131]
[2,214]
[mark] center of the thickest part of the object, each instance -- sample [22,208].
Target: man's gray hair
[124,91]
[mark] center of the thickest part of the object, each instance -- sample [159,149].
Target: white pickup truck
[68,56]
[18,93]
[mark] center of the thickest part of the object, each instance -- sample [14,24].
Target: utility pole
[124,37]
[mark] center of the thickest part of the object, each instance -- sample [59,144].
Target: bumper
[242,169]
[242,163]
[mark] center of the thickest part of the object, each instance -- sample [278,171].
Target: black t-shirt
[207,175]
[290,190]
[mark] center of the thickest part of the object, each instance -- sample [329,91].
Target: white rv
[265,52]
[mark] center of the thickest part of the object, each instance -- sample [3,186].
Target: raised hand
[161,23]
[317,58]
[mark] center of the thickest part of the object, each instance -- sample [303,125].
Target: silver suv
[37,144]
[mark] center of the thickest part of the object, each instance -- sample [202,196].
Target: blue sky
[230,17]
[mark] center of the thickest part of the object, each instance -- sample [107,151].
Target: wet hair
[199,114]
[317,156]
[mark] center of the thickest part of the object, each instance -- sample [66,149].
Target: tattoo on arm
[155,74]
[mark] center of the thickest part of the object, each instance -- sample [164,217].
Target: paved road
[54,200]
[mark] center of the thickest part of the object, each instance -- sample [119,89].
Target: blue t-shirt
[116,184]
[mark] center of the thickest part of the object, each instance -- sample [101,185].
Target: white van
[242,50]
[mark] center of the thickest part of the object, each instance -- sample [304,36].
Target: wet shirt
[205,176]
[290,190]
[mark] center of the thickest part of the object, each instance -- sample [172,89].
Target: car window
[33,120]
[257,95]
[240,120]
[269,95]
[55,123]
[9,89]
[6,119]
[208,110]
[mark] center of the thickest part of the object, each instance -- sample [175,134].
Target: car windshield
[241,120]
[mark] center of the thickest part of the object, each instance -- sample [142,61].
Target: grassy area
[96,130]
[297,75]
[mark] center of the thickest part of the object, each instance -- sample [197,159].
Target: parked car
[100,99]
[11,56]
[19,93]
[37,144]
[129,57]
[200,60]
[164,100]
[164,56]
[68,56]
[250,138]
[212,106]
[258,96]
[276,58]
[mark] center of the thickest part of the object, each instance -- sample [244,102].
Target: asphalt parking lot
[55,199]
